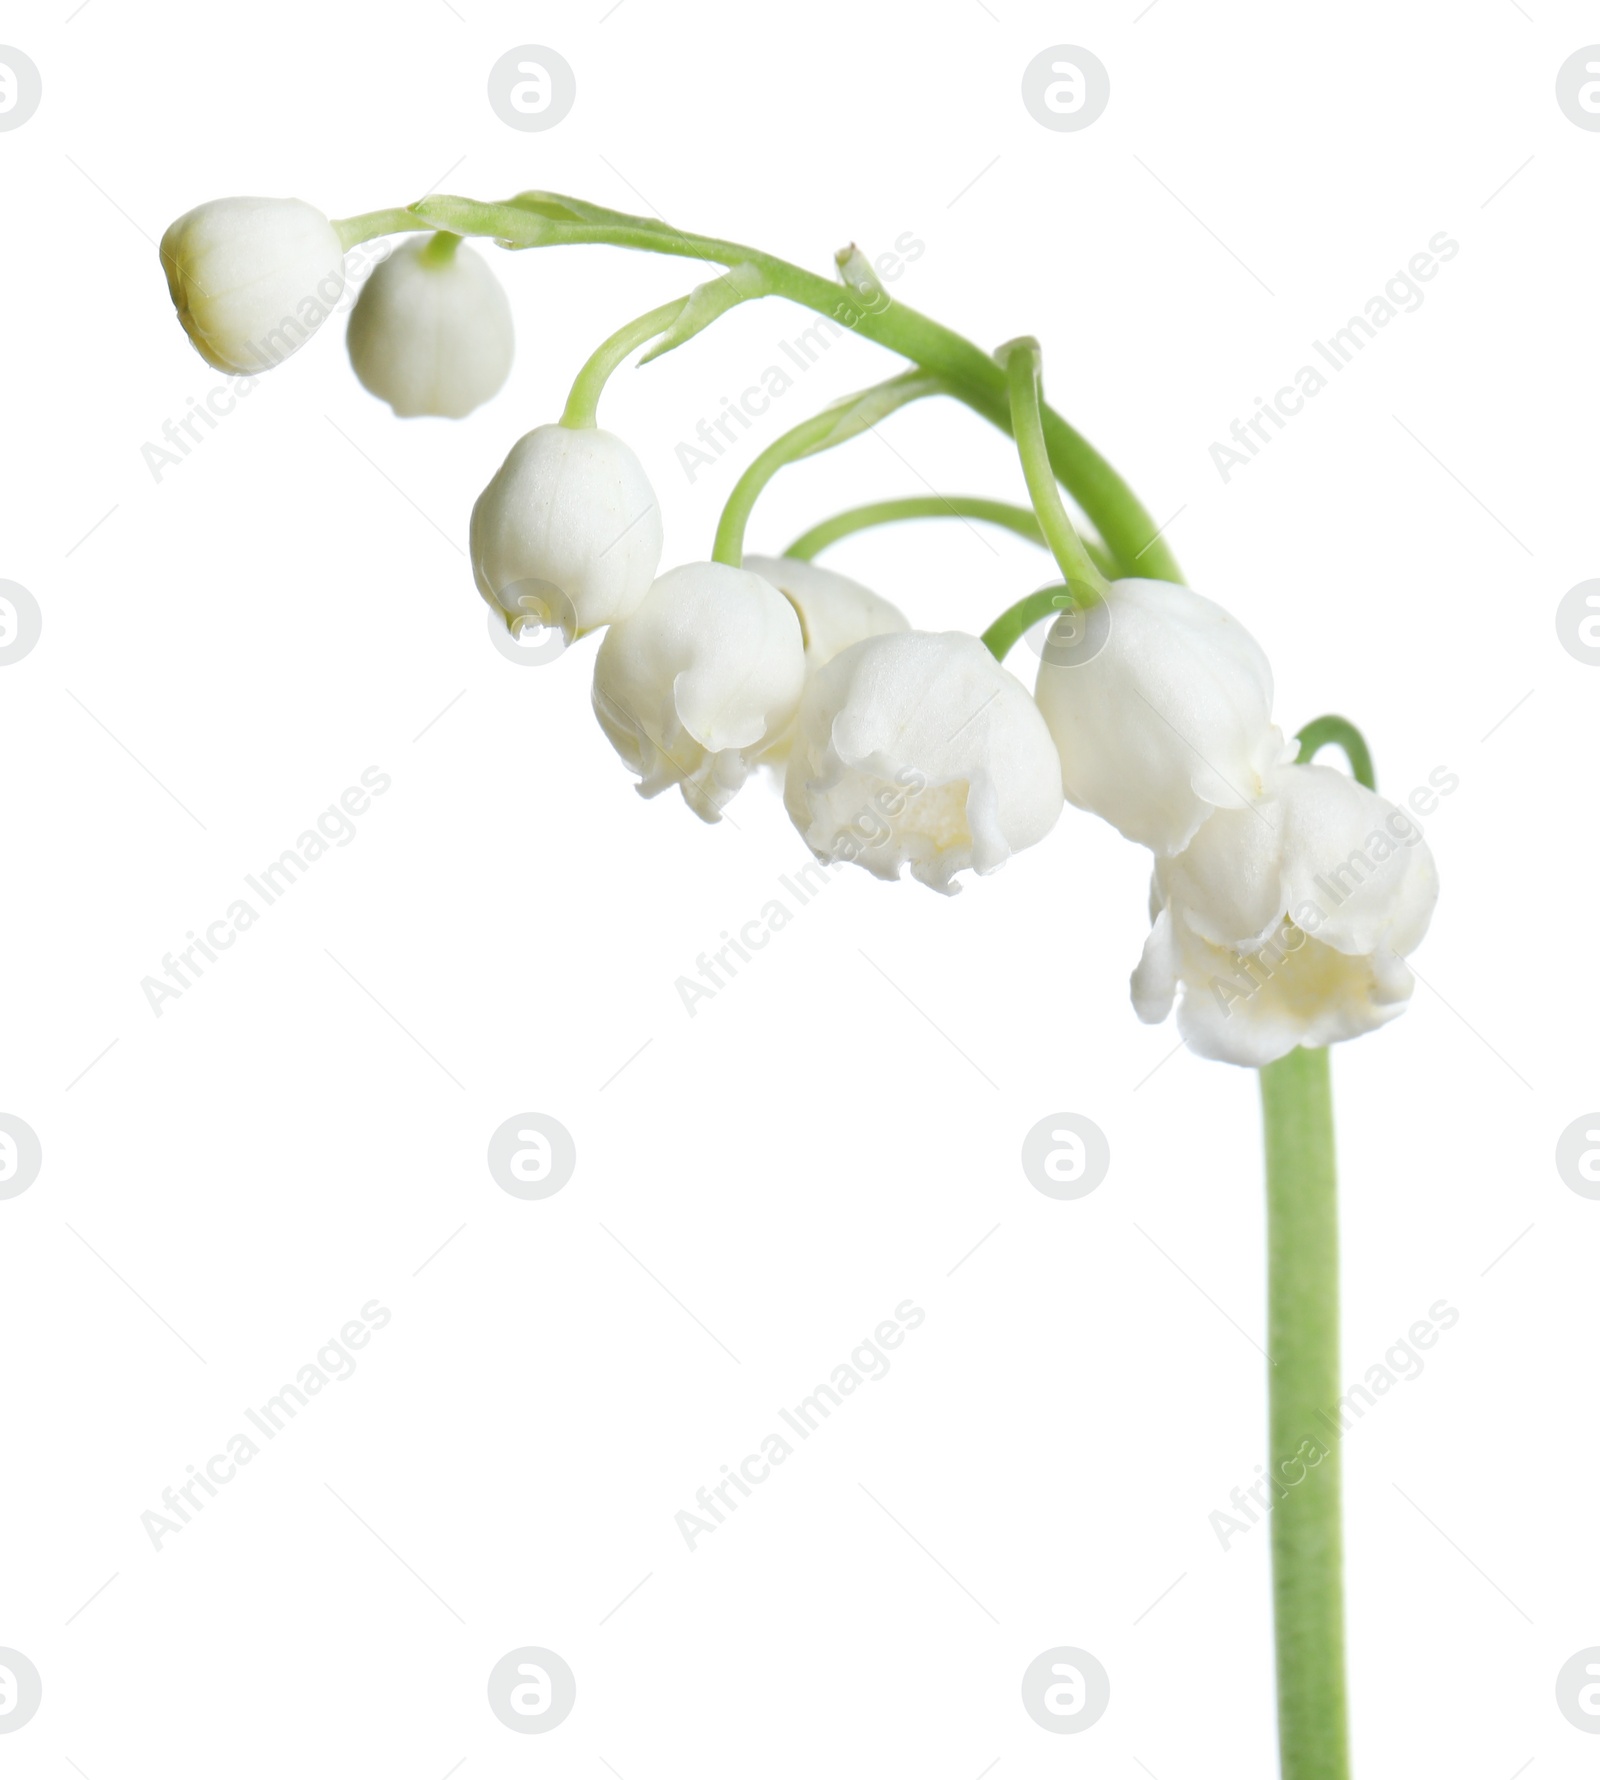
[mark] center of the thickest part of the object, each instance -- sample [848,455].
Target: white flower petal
[252,278]
[1155,979]
[1287,924]
[431,336]
[1227,884]
[834,611]
[919,750]
[697,679]
[567,532]
[1252,1009]
[1356,860]
[1171,719]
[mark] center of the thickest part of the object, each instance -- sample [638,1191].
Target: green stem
[1344,734]
[545,219]
[584,399]
[441,250]
[356,229]
[1303,1345]
[1016,621]
[1021,360]
[1021,520]
[836,423]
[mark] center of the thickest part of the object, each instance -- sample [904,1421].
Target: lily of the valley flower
[918,749]
[431,331]
[252,278]
[834,612]
[568,532]
[1288,922]
[696,681]
[1170,720]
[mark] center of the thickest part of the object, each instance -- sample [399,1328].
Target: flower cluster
[1285,895]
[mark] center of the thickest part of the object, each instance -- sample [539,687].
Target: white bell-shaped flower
[1288,922]
[568,532]
[1169,719]
[252,279]
[431,331]
[834,612]
[698,679]
[920,749]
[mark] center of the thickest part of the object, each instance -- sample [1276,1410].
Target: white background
[228,648]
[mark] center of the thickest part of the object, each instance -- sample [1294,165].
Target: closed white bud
[834,612]
[918,749]
[567,533]
[431,331]
[698,679]
[252,279]
[1171,719]
[1288,922]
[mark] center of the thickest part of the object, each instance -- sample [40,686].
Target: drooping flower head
[1288,922]
[919,749]
[431,331]
[1169,720]
[698,679]
[252,278]
[567,533]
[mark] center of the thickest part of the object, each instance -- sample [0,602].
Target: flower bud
[1170,719]
[252,278]
[431,331]
[698,679]
[567,532]
[834,612]
[920,749]
[1287,923]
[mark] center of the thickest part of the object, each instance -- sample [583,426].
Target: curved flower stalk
[1286,896]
